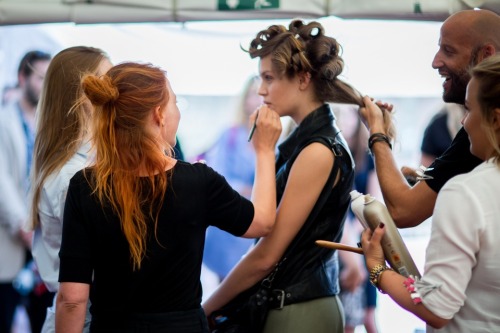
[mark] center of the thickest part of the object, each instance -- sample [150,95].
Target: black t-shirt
[94,249]
[437,137]
[457,159]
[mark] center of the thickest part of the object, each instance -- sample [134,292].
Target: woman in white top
[61,149]
[460,289]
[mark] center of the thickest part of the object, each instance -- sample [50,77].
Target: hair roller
[295,26]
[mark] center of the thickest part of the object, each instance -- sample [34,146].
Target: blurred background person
[233,157]
[440,132]
[358,296]
[17,135]
[62,148]
[10,94]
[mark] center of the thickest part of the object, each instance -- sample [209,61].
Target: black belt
[277,299]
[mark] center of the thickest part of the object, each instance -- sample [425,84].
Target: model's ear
[304,80]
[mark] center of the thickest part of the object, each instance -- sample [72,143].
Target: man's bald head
[479,27]
[467,37]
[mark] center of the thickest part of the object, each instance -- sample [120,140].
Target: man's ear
[496,119]
[486,51]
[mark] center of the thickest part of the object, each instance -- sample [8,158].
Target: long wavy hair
[62,125]
[304,48]
[487,73]
[124,100]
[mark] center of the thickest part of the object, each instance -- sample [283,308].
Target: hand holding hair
[377,117]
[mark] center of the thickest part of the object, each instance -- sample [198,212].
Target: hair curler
[371,212]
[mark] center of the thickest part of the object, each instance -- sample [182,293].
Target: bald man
[466,38]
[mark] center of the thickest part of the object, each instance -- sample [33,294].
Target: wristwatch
[375,275]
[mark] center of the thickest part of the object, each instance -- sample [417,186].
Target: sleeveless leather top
[310,271]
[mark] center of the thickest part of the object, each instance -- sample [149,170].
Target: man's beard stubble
[458,87]
[32,96]
[459,81]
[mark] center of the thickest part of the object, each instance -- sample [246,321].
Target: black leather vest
[310,271]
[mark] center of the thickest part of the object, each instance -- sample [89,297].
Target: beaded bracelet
[415,295]
[378,137]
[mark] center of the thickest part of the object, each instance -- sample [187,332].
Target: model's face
[172,117]
[453,59]
[33,83]
[278,93]
[473,123]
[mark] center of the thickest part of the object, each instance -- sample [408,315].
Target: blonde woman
[61,149]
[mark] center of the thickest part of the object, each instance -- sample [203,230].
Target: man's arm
[408,206]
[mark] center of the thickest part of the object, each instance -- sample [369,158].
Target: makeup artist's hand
[267,128]
[370,243]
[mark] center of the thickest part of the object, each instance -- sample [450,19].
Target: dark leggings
[189,321]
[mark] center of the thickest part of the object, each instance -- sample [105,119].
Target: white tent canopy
[126,11]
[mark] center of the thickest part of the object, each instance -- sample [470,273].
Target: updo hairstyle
[124,99]
[304,48]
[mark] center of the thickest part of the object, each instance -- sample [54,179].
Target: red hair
[124,100]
